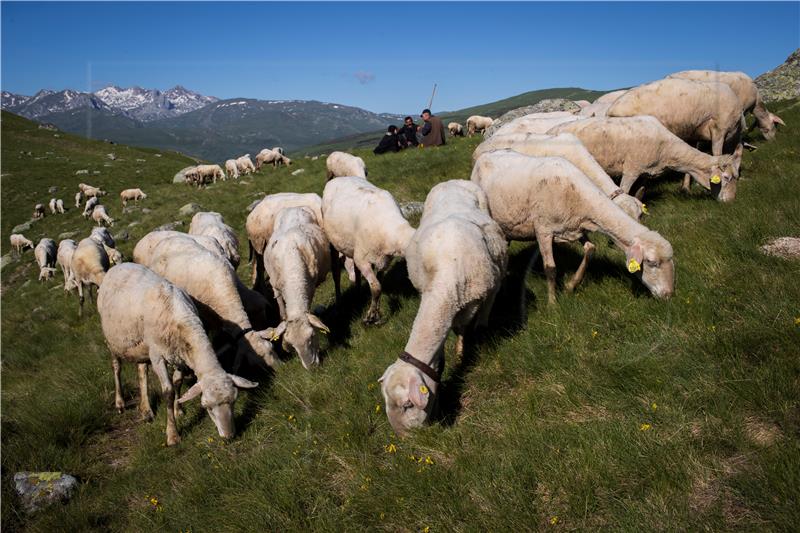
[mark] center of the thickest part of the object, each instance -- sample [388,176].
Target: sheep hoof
[148,416]
[173,440]
[372,319]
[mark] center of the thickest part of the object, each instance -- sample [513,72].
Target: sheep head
[725,175]
[409,397]
[258,343]
[650,258]
[301,334]
[768,125]
[217,393]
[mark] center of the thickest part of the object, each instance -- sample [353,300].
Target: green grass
[541,419]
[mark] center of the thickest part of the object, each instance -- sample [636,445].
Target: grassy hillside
[610,410]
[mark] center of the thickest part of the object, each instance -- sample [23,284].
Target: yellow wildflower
[645,427]
[797,321]
[426,529]
[382,516]
[377,408]
[595,333]
[428,460]
[371,386]
[634,266]
[210,440]
[553,520]
[653,406]
[290,418]
[390,448]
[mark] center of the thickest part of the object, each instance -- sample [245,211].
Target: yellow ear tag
[423,389]
[644,209]
[275,336]
[634,266]
[715,179]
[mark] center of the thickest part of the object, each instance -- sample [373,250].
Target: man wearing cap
[432,132]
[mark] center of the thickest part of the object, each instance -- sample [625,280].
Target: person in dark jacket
[432,132]
[389,142]
[408,133]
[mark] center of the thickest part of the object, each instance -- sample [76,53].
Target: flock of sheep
[545,177]
[201,175]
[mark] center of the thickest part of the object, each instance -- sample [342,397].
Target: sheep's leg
[177,383]
[549,263]
[486,308]
[628,179]
[281,304]
[459,344]
[588,251]
[80,298]
[168,395]
[119,403]
[717,142]
[144,395]
[336,272]
[687,178]
[373,315]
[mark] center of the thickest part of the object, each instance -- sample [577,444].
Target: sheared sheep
[548,198]
[456,129]
[456,260]
[88,268]
[210,173]
[477,123]
[66,249]
[298,259]
[78,199]
[631,147]
[213,225]
[536,123]
[269,156]
[38,211]
[19,242]
[131,194]
[84,186]
[89,207]
[245,165]
[146,319]
[192,177]
[231,169]
[570,148]
[52,206]
[45,253]
[103,236]
[344,164]
[100,216]
[364,223]
[279,150]
[60,206]
[90,192]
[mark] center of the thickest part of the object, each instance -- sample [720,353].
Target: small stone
[112,156]
[134,223]
[253,205]
[170,226]
[783,247]
[180,177]
[37,490]
[95,172]
[122,235]
[82,171]
[25,226]
[298,171]
[67,235]
[6,260]
[145,210]
[315,158]
[52,189]
[189,209]
[411,209]
[157,155]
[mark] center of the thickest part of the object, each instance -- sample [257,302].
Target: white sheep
[210,173]
[103,236]
[38,211]
[364,223]
[270,156]
[78,199]
[536,123]
[279,150]
[548,198]
[143,250]
[245,165]
[478,123]
[456,260]
[298,259]
[631,147]
[455,129]
[84,186]
[60,206]
[231,169]
[90,192]
[146,319]
[344,164]
[66,248]
[213,225]
[89,207]
[52,206]
[45,253]
[19,242]
[192,177]
[570,148]
[132,194]
[88,268]
[100,216]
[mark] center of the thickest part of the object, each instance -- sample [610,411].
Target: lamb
[60,206]
[536,123]
[456,260]
[231,169]
[103,236]
[100,216]
[146,319]
[298,259]
[212,282]
[746,91]
[89,207]
[570,148]
[634,146]
[19,242]
[261,222]
[52,206]
[269,156]
[45,253]
[210,173]
[477,123]
[364,223]
[66,249]
[212,224]
[694,111]
[245,165]
[547,198]
[88,268]
[132,194]
[456,129]
[90,192]
[78,199]
[344,164]
[38,211]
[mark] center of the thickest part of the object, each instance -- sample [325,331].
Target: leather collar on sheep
[423,367]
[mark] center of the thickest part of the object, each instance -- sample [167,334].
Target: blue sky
[384,57]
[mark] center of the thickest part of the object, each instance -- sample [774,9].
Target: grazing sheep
[66,249]
[260,224]
[210,173]
[610,98]
[89,207]
[599,107]
[84,186]
[364,223]
[88,268]
[570,148]
[456,260]
[269,156]
[19,242]
[548,198]
[212,282]
[631,147]
[477,123]
[245,165]
[45,253]
[298,259]
[537,123]
[78,199]
[344,164]
[279,150]
[100,216]
[694,111]
[38,211]
[192,177]
[456,129]
[231,169]
[52,206]
[746,91]
[103,236]
[146,319]
[60,206]
[131,194]
[213,225]
[90,192]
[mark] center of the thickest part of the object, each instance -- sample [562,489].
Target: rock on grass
[40,489]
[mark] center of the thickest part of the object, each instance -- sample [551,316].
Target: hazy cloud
[364,77]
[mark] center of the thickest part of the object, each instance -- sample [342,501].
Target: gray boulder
[189,209]
[37,490]
[784,247]
[122,235]
[411,209]
[52,189]
[180,177]
[170,226]
[298,171]
[25,226]
[543,106]
[6,260]
[67,235]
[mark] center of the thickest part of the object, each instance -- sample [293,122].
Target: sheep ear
[639,193]
[317,323]
[737,157]
[418,392]
[635,252]
[776,119]
[243,383]
[274,334]
[193,392]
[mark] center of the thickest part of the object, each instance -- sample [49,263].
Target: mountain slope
[782,82]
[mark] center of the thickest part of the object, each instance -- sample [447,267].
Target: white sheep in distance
[78,199]
[548,198]
[52,206]
[631,147]
[245,165]
[192,177]
[364,223]
[212,282]
[66,248]
[455,129]
[89,207]
[260,224]
[231,169]
[88,268]
[570,148]
[270,156]
[210,173]
[212,224]
[279,150]
[100,216]
[45,253]
[132,194]
[478,123]
[83,186]
[298,259]
[60,206]
[38,211]
[146,319]
[456,260]
[746,91]
[538,123]
[19,242]
[90,192]
[344,164]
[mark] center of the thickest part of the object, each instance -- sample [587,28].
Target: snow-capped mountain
[12,100]
[152,104]
[47,102]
